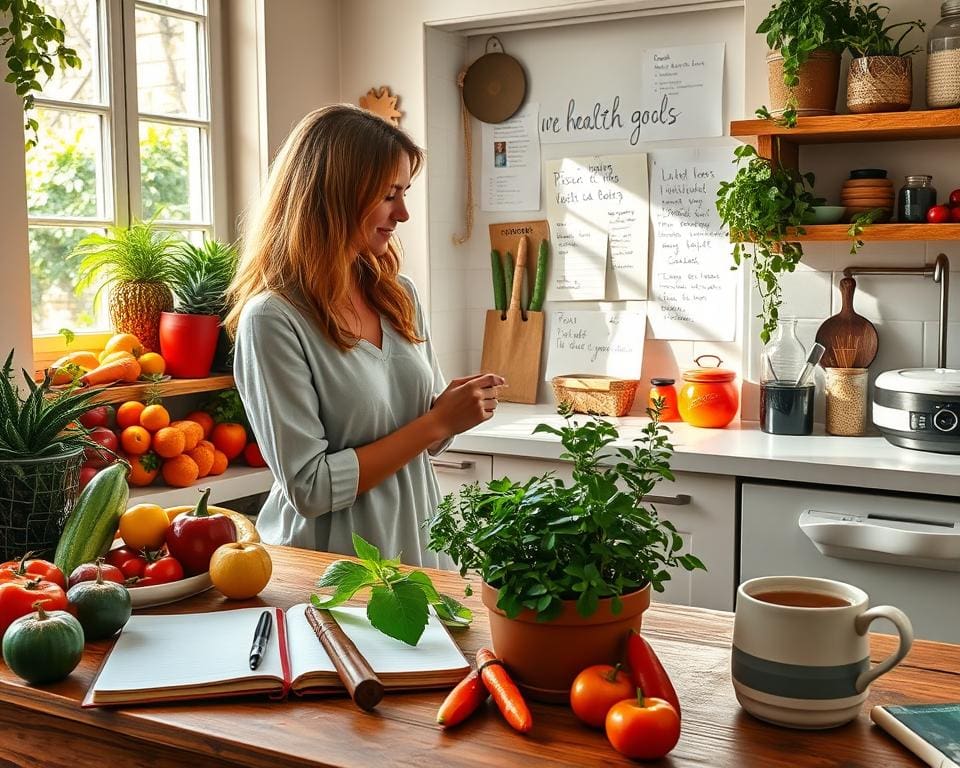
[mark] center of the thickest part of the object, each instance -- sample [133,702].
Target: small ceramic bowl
[825,214]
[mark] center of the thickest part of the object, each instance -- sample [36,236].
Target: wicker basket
[604,395]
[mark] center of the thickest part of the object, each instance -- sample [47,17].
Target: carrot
[504,691]
[127,369]
[462,701]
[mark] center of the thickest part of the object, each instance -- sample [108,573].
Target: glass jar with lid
[943,58]
[917,196]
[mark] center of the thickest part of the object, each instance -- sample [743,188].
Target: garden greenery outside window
[125,137]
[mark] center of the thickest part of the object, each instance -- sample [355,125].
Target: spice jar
[943,58]
[708,397]
[916,197]
[663,388]
[846,400]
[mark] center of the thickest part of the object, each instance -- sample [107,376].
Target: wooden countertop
[46,726]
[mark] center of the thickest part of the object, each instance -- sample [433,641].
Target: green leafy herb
[399,601]
[68,336]
[869,37]
[787,117]
[857,226]
[226,406]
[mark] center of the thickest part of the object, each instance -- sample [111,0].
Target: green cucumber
[508,278]
[93,521]
[499,294]
[540,281]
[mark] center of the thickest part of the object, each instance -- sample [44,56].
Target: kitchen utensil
[812,359]
[846,330]
[494,85]
[919,408]
[512,341]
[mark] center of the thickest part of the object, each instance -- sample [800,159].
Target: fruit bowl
[161,594]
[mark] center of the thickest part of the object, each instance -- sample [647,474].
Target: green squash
[102,607]
[43,647]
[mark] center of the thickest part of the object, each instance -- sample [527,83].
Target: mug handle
[904,629]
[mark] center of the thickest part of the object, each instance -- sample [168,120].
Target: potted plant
[880,77]
[41,450]
[135,262]
[567,569]
[806,38]
[199,278]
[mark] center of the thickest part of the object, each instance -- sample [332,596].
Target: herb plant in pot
[199,277]
[567,569]
[880,77]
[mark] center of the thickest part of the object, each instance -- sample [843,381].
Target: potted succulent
[567,569]
[880,77]
[135,262]
[41,450]
[199,278]
[806,39]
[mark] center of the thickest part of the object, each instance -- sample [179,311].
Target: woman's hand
[467,401]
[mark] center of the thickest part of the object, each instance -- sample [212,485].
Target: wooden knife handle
[519,268]
[354,671]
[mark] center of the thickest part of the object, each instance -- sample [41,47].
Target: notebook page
[182,650]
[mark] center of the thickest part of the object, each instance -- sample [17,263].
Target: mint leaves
[399,602]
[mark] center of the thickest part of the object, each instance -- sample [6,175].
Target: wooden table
[46,726]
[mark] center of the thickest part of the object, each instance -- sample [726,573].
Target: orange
[220,462]
[135,440]
[144,526]
[202,418]
[155,417]
[151,364]
[168,442]
[124,342]
[229,438]
[143,468]
[204,458]
[207,444]
[180,471]
[128,414]
[240,570]
[192,431]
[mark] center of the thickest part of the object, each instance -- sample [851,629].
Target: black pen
[260,638]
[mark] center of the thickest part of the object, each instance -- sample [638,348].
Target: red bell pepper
[648,673]
[194,536]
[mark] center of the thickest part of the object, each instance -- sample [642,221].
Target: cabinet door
[455,469]
[703,509]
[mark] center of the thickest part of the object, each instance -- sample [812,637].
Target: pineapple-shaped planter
[135,307]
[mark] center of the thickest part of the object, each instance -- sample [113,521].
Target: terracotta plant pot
[815,94]
[545,656]
[880,84]
[188,343]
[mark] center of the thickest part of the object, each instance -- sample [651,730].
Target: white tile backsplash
[931,344]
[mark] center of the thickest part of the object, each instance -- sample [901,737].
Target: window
[125,137]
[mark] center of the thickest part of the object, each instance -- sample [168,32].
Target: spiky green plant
[41,423]
[200,277]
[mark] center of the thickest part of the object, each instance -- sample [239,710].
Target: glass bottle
[664,389]
[943,58]
[786,408]
[783,357]
[916,197]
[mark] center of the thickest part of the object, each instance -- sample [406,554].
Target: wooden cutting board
[512,341]
[850,339]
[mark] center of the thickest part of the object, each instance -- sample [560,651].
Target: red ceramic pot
[708,397]
[188,343]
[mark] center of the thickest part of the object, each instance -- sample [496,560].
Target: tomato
[96,457]
[596,689]
[119,555]
[31,568]
[643,728]
[252,455]
[144,526]
[955,214]
[86,475]
[955,198]
[163,570]
[17,599]
[134,567]
[88,572]
[938,214]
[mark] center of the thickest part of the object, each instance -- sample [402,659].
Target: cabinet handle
[680,500]
[451,464]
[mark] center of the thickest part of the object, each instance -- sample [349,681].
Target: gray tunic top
[310,404]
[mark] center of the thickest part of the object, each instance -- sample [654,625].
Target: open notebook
[201,655]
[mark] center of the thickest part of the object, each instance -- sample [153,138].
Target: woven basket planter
[880,84]
[604,395]
[815,94]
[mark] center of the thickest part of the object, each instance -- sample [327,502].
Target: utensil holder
[846,399]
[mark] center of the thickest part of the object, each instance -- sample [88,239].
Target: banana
[246,532]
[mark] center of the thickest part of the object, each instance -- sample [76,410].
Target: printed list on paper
[510,163]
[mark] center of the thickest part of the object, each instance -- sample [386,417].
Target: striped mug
[801,652]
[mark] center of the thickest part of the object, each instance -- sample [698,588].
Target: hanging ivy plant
[34,48]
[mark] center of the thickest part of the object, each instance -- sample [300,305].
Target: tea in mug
[800,599]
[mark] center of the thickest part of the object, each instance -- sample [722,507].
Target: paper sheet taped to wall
[598,342]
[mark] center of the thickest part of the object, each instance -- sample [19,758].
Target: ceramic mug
[801,652]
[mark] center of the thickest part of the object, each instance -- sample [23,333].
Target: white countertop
[741,449]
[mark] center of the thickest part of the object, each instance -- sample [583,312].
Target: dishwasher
[902,551]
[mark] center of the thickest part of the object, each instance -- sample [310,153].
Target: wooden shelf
[235,483]
[118,393]
[882,232]
[833,129]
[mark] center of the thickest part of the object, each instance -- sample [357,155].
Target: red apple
[955,214]
[86,475]
[98,416]
[938,214]
[106,438]
[955,198]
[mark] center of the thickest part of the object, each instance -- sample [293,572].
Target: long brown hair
[335,167]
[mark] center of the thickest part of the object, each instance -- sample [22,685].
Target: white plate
[161,594]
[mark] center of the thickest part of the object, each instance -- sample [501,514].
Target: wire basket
[587,393]
[36,496]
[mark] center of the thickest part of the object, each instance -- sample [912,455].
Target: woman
[333,357]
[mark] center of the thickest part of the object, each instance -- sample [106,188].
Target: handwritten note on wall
[593,202]
[604,342]
[690,80]
[693,290]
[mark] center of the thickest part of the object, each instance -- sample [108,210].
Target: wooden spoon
[850,339]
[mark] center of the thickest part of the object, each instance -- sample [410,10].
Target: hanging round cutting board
[494,85]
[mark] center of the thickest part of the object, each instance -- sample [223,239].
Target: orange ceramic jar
[663,388]
[708,396]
